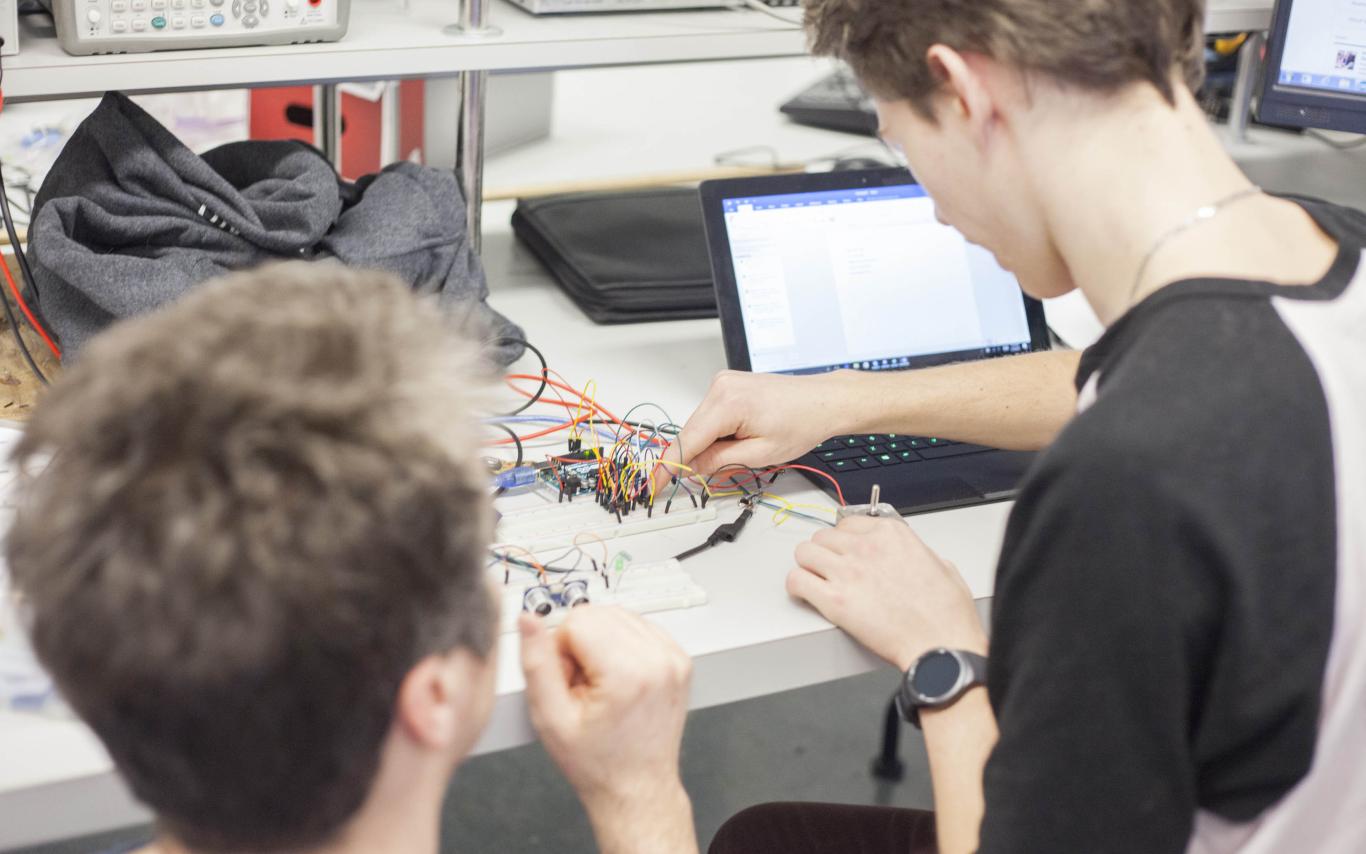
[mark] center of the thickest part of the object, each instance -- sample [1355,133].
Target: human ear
[964,95]
[437,698]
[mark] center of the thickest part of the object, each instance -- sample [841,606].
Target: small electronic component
[545,598]
[640,586]
[573,594]
[139,26]
[572,474]
[725,533]
[538,600]
[874,507]
[515,477]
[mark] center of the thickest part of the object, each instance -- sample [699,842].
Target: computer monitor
[1316,66]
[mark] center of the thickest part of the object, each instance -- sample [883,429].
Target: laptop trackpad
[929,492]
[996,475]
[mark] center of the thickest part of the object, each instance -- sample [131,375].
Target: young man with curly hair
[253,548]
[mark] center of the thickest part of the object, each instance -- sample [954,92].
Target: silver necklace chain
[1206,212]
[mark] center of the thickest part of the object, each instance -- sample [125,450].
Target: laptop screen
[865,278]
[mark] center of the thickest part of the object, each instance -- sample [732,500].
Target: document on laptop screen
[865,278]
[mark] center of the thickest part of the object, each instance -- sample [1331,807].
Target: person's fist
[608,694]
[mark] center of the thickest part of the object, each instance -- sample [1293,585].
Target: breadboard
[555,526]
[642,586]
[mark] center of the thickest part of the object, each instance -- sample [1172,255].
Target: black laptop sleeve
[623,257]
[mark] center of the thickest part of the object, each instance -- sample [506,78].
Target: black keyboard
[835,102]
[874,450]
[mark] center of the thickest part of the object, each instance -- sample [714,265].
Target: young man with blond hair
[254,549]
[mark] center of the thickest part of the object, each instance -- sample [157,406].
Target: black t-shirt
[1173,576]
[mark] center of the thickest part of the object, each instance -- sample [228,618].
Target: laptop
[851,270]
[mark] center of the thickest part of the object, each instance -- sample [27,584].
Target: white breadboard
[555,526]
[642,586]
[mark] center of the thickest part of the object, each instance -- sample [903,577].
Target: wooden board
[19,388]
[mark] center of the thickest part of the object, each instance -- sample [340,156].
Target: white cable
[759,6]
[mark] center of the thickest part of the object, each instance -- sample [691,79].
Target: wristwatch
[937,679]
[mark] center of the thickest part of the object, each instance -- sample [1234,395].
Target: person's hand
[874,578]
[759,420]
[608,694]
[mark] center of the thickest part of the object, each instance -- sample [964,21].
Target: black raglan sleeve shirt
[1164,601]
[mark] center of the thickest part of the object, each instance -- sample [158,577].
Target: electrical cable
[597,407]
[14,325]
[545,369]
[786,509]
[1339,145]
[23,266]
[560,570]
[742,469]
[23,187]
[517,440]
[759,6]
[560,424]
[19,297]
[725,533]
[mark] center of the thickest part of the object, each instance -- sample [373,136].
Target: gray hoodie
[129,218]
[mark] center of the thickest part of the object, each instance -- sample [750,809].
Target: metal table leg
[391,124]
[469,154]
[1240,107]
[327,122]
[469,151]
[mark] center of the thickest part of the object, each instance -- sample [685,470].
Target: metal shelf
[389,41]
[386,42]
[1236,16]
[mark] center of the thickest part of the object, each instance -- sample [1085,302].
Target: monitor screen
[865,278]
[1316,58]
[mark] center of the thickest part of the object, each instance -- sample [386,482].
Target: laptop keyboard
[874,450]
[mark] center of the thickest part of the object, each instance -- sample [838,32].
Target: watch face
[936,674]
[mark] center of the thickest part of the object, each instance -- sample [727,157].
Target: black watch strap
[909,702]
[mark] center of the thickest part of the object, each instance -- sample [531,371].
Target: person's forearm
[660,823]
[958,740]
[1018,402]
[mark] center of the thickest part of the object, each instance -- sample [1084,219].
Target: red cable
[590,402]
[838,492]
[23,306]
[739,477]
[593,403]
